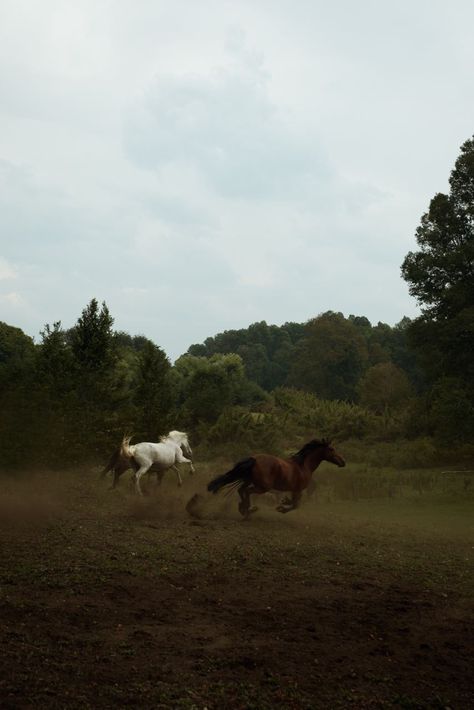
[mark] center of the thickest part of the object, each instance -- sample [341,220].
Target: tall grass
[358,482]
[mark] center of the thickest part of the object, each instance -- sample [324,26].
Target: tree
[330,359]
[204,387]
[153,395]
[54,361]
[441,277]
[92,338]
[441,274]
[16,355]
[384,388]
[266,350]
[19,415]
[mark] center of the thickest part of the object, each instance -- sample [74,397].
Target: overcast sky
[200,166]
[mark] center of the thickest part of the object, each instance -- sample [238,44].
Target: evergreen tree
[92,338]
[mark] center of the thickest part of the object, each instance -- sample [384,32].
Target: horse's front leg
[180,458]
[290,504]
[178,475]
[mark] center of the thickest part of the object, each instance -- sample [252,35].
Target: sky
[200,166]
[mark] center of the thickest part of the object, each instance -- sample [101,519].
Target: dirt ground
[110,601]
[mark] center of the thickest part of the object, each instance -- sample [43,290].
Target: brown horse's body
[273,473]
[263,472]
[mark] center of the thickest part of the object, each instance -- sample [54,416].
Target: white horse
[147,456]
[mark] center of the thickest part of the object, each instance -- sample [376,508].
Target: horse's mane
[300,455]
[175,436]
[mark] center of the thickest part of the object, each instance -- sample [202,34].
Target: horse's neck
[312,461]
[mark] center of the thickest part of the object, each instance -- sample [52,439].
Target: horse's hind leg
[244,506]
[138,474]
[117,473]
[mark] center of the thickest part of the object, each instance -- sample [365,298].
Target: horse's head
[330,454]
[181,439]
[319,450]
[176,436]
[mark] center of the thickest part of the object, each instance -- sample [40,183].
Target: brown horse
[262,473]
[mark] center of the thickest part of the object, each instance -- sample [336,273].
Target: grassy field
[352,601]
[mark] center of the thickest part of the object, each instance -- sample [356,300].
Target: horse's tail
[241,473]
[111,464]
[125,449]
[119,454]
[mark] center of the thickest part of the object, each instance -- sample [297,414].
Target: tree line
[73,394]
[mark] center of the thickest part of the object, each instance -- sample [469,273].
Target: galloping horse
[263,472]
[156,458]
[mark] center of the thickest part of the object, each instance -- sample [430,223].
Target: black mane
[300,455]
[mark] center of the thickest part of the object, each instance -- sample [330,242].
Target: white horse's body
[167,453]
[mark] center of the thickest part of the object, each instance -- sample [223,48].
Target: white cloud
[227,128]
[200,166]
[11,298]
[7,271]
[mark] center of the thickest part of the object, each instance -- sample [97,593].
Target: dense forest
[70,396]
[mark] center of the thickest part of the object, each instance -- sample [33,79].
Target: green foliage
[266,350]
[239,431]
[441,276]
[322,418]
[55,359]
[16,355]
[152,393]
[204,387]
[384,388]
[451,410]
[92,338]
[330,359]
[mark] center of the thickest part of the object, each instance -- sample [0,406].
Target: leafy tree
[153,392]
[17,353]
[330,359]
[451,410]
[441,277]
[206,386]
[384,388]
[441,273]
[19,415]
[54,361]
[266,350]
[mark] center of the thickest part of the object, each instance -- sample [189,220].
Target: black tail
[241,473]
[112,462]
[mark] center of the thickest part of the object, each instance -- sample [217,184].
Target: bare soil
[110,601]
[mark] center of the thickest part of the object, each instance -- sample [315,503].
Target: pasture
[362,598]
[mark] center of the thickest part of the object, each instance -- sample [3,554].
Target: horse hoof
[283,509]
[253,509]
